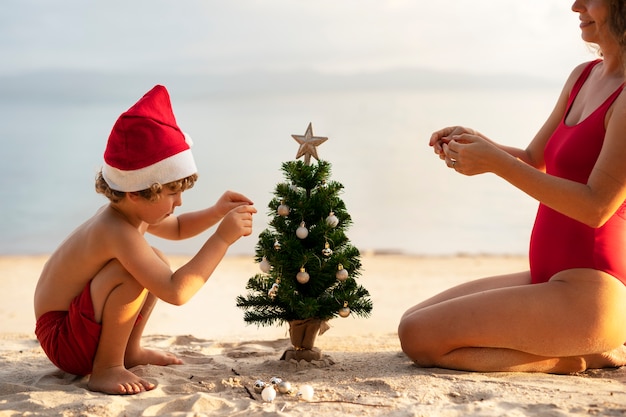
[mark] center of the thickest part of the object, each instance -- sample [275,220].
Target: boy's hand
[236,223]
[229,200]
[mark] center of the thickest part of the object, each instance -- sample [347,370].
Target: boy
[97,290]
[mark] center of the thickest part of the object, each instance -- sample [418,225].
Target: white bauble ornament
[302,276]
[306,392]
[275,380]
[283,210]
[341,274]
[276,245]
[332,220]
[268,394]
[264,265]
[302,232]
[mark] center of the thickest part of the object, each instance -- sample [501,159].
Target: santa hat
[146,146]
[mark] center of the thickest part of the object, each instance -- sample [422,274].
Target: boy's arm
[142,262]
[193,223]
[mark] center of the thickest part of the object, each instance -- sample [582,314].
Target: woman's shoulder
[583,67]
[576,74]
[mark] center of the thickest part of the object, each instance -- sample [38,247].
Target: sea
[401,197]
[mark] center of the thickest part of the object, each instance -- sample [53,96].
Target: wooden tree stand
[302,334]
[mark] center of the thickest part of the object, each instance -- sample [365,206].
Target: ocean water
[401,197]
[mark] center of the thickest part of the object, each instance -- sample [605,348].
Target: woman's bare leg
[475,286]
[565,325]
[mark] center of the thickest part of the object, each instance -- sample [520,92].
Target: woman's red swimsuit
[559,242]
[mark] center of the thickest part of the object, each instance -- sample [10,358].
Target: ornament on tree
[274,290]
[341,274]
[332,220]
[302,276]
[327,251]
[302,232]
[283,209]
[287,293]
[265,266]
[345,310]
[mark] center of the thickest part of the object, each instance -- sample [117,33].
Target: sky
[532,37]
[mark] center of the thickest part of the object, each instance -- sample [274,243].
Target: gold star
[308,144]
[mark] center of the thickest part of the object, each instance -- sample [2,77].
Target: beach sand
[362,372]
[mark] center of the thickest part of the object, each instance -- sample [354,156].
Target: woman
[568,312]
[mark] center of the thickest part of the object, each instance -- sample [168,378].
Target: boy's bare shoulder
[97,238]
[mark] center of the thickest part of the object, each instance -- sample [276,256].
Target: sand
[362,372]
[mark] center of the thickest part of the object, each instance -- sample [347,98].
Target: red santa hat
[146,146]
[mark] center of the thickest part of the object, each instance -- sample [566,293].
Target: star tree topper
[308,144]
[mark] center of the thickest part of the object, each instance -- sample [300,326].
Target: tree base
[302,334]
[304,354]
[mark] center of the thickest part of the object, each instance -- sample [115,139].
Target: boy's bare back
[79,258]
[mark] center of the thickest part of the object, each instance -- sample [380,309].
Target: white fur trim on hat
[171,169]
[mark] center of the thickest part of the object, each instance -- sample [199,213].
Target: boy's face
[154,212]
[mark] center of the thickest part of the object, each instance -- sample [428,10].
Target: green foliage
[311,198]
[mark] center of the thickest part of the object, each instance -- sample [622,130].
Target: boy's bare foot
[143,356]
[118,380]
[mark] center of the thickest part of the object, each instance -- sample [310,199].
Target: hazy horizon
[539,38]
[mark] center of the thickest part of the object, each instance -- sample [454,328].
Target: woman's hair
[617,21]
[152,194]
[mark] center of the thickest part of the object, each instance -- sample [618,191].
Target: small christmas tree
[309,267]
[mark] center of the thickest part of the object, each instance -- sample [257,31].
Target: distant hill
[90,86]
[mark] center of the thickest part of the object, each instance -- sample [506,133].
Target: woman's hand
[470,154]
[442,137]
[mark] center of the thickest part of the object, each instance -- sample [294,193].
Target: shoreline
[395,282]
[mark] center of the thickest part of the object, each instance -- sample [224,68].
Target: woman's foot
[612,359]
[118,380]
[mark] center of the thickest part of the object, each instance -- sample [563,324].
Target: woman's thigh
[475,286]
[578,312]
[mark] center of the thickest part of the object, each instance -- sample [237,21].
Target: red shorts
[70,338]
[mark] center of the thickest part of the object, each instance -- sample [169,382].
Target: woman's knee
[414,342]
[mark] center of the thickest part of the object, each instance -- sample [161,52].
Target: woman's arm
[592,203]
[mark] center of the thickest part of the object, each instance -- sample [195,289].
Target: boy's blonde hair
[151,194]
